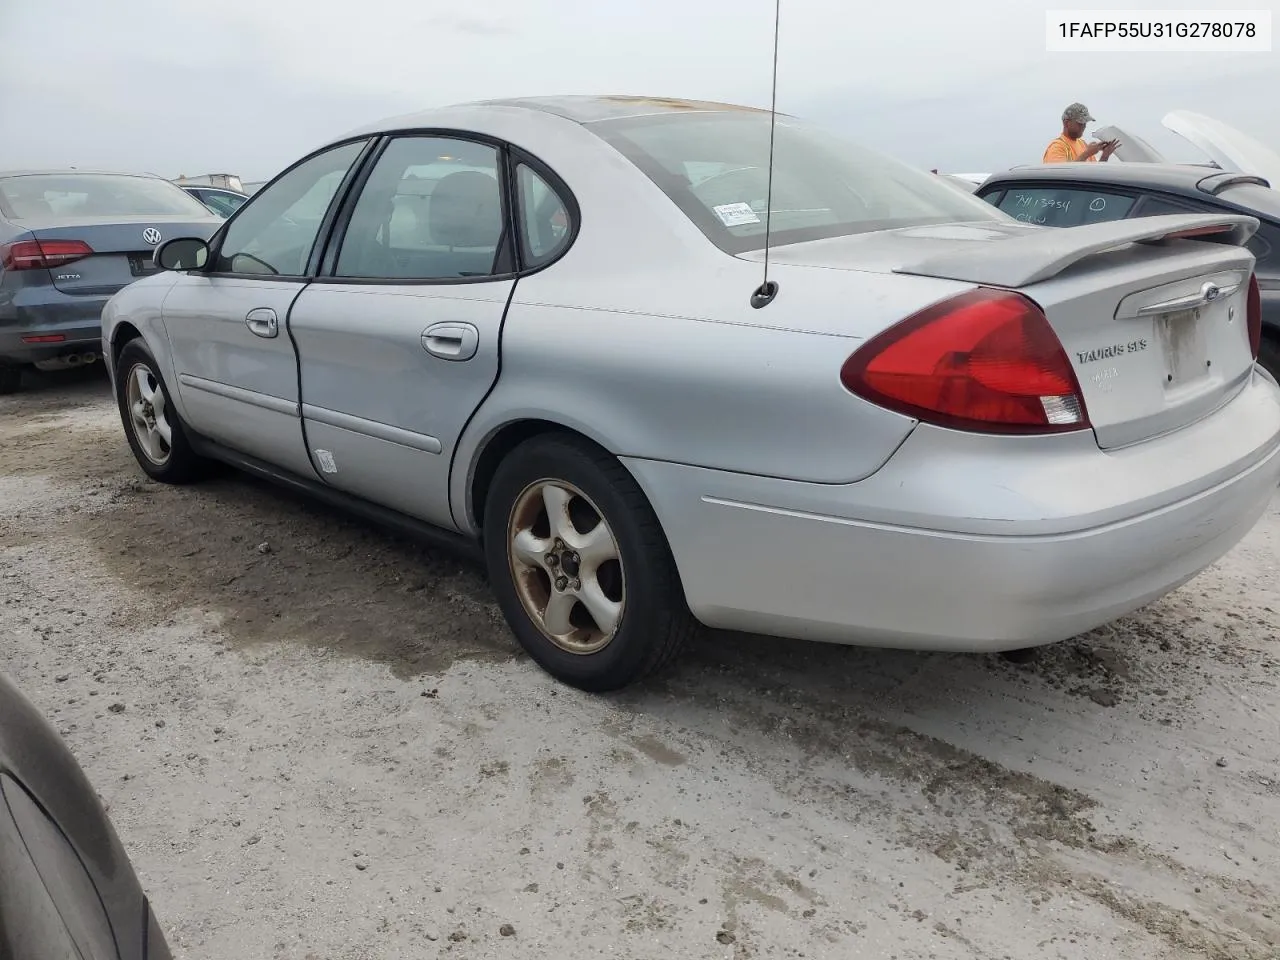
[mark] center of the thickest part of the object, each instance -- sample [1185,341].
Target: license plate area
[1182,346]
[142,264]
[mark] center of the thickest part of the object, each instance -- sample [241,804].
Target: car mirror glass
[182,253]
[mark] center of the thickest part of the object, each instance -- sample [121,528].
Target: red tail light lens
[42,254]
[1253,312]
[984,361]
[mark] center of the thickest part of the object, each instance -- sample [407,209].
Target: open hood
[1226,146]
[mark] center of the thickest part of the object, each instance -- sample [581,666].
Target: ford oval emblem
[151,235]
[1210,291]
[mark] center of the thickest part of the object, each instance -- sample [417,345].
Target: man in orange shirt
[1070,147]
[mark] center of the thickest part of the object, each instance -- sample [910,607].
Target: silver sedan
[578,335]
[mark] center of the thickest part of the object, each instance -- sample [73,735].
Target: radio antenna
[764,294]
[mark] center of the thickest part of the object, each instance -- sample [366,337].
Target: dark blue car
[68,241]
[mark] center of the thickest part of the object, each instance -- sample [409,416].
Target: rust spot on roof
[674,103]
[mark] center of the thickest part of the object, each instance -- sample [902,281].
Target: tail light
[984,361]
[42,254]
[1253,312]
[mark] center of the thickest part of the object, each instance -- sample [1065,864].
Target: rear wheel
[1269,355]
[151,423]
[581,567]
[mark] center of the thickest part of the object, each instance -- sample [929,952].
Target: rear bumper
[77,320]
[971,543]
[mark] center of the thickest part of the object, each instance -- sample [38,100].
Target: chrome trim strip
[1209,293]
[372,428]
[289,408]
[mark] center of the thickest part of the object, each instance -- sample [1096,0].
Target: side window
[1265,245]
[222,204]
[431,210]
[1064,206]
[1153,206]
[275,233]
[544,218]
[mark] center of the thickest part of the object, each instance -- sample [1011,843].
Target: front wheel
[581,567]
[151,423]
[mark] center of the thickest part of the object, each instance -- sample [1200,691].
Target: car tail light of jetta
[42,254]
[984,361]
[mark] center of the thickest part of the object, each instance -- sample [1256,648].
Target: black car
[1070,194]
[67,888]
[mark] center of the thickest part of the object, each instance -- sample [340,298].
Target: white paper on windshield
[736,214]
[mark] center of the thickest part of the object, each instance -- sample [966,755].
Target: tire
[642,584]
[174,462]
[10,378]
[1269,355]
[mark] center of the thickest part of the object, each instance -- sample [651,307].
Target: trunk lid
[123,248]
[1132,149]
[1155,328]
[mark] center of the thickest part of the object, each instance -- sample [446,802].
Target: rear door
[228,325]
[398,342]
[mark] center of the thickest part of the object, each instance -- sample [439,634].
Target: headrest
[466,210]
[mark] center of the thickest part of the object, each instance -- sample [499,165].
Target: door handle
[262,322]
[451,341]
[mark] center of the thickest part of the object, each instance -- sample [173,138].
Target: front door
[228,324]
[398,345]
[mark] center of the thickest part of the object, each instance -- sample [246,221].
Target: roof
[576,109]
[68,172]
[590,109]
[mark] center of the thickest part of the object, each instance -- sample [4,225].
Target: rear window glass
[1064,206]
[715,167]
[39,196]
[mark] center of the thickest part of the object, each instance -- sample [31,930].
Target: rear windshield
[1062,206]
[715,167]
[38,196]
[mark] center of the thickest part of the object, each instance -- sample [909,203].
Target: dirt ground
[320,743]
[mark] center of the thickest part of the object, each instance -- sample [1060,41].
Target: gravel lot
[320,743]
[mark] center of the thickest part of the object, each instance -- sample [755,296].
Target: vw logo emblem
[1210,291]
[151,235]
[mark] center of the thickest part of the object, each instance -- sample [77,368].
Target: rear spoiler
[1040,253]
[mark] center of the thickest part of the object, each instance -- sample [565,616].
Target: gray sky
[247,86]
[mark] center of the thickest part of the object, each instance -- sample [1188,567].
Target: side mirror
[182,253]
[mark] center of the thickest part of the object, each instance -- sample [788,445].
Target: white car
[543,328]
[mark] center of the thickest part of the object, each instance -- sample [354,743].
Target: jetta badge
[1210,292]
[151,235]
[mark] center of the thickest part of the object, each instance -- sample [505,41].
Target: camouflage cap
[1077,112]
